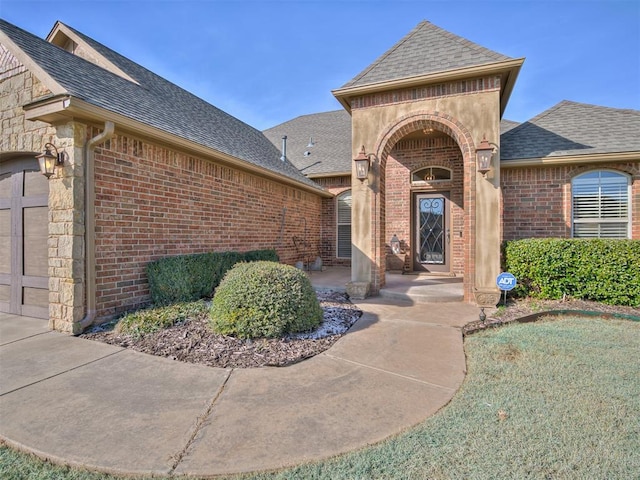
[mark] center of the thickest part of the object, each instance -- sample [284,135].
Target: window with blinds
[344,225]
[600,205]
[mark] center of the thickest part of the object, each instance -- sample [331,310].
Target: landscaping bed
[192,340]
[529,309]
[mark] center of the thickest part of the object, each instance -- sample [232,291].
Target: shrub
[186,278]
[264,299]
[601,270]
[151,320]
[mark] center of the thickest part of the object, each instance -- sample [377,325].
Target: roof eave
[588,158]
[510,68]
[61,108]
[329,174]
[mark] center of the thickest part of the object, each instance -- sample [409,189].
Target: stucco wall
[467,117]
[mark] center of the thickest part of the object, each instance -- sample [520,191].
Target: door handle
[448,236]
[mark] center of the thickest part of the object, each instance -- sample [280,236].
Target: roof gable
[571,128]
[148,99]
[78,44]
[427,49]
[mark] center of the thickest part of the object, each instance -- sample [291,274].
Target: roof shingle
[571,128]
[331,134]
[426,49]
[155,101]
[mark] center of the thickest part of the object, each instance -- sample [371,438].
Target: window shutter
[344,225]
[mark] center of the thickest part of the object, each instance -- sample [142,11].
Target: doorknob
[448,236]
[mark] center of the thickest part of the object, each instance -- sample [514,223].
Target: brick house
[421,111]
[150,170]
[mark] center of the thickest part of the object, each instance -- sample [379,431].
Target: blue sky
[269,61]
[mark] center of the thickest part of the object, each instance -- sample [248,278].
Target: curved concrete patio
[80,402]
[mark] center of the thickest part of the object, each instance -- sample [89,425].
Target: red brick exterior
[328,235]
[407,157]
[152,202]
[537,200]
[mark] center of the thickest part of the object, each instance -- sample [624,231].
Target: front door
[24,249]
[432,237]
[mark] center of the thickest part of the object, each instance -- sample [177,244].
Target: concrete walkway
[81,402]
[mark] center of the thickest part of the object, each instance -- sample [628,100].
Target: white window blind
[344,225]
[600,201]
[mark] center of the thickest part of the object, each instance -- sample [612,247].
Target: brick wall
[407,157]
[153,202]
[328,249]
[537,200]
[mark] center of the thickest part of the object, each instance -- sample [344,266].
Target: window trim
[339,224]
[600,220]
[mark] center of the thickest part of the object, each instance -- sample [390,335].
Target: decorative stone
[358,290]
[486,297]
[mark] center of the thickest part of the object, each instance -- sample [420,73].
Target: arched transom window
[430,174]
[600,205]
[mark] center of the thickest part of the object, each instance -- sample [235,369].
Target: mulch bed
[526,310]
[193,340]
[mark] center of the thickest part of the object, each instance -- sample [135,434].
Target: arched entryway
[24,249]
[426,189]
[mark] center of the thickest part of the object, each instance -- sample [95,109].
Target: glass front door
[432,237]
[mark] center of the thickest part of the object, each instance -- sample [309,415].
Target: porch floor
[415,288]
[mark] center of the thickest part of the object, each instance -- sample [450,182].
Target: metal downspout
[90,224]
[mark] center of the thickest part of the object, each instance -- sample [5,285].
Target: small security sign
[506,281]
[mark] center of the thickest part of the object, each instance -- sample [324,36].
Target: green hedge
[264,299]
[185,278]
[606,271]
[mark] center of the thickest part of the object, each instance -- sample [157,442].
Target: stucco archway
[387,139]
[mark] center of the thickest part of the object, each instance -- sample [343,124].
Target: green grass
[556,399]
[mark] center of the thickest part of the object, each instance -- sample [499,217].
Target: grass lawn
[557,399]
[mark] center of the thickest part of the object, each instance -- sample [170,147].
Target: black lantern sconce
[49,161]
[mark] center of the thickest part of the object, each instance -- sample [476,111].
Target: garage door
[24,282]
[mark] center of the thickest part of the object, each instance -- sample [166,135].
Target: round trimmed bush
[264,299]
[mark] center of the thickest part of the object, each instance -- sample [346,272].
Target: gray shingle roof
[331,133]
[155,101]
[426,49]
[506,125]
[571,128]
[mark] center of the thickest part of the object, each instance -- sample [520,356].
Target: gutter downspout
[90,224]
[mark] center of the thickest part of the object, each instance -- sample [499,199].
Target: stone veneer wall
[408,156]
[537,200]
[66,222]
[153,202]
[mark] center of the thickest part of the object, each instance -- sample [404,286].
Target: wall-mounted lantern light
[484,154]
[49,161]
[394,243]
[362,165]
